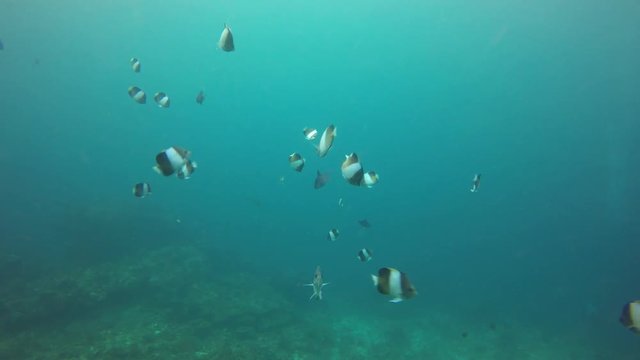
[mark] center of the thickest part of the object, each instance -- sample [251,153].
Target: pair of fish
[353,172]
[175,160]
[389,281]
[296,161]
[139,96]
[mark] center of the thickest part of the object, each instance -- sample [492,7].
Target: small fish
[326,140]
[630,316]
[318,283]
[340,202]
[321,180]
[394,283]
[364,223]
[187,170]
[162,100]
[364,255]
[296,161]
[137,95]
[309,133]
[200,97]
[141,189]
[333,234]
[226,40]
[370,178]
[135,64]
[171,160]
[352,169]
[476,183]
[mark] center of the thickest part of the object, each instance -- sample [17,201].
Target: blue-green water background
[541,97]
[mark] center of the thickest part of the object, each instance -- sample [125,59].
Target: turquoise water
[541,97]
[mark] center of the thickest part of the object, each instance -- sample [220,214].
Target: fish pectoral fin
[396,300]
[323,284]
[307,284]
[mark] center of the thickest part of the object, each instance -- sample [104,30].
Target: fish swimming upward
[317,284]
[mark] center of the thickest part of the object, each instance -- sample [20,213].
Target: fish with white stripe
[394,283]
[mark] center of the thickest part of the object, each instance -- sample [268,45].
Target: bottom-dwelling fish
[394,283]
[317,284]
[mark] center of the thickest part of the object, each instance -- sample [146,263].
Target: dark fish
[352,169]
[162,99]
[321,180]
[364,223]
[226,40]
[187,170]
[333,234]
[296,161]
[200,97]
[135,64]
[171,160]
[394,283]
[141,190]
[137,94]
[364,255]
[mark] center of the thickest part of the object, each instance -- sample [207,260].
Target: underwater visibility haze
[333,179]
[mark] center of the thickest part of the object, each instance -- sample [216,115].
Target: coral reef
[182,302]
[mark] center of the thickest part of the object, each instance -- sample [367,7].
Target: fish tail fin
[375,280]
[395,301]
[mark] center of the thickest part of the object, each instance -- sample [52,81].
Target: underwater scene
[294,179]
